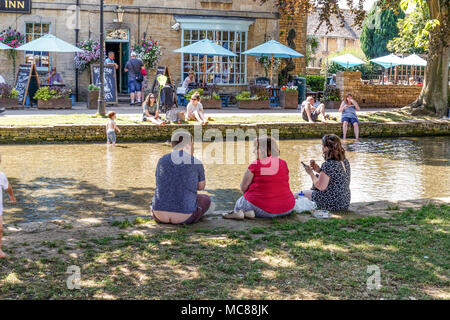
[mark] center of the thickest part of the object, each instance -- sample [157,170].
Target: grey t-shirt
[177,182]
[134,67]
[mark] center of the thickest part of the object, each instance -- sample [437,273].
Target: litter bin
[300,83]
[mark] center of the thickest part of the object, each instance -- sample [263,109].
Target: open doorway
[121,53]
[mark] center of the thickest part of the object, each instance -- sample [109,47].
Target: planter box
[211,103]
[253,104]
[289,99]
[92,101]
[9,103]
[62,103]
[332,105]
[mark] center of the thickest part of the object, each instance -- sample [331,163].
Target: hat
[133,54]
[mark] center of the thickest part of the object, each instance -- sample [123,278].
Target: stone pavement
[126,109]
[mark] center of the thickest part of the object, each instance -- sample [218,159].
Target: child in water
[111,128]
[4,185]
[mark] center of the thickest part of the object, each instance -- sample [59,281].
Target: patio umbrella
[347,60]
[415,61]
[49,43]
[206,48]
[4,47]
[273,49]
[388,61]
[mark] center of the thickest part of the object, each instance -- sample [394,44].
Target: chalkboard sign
[111,95]
[27,83]
[161,70]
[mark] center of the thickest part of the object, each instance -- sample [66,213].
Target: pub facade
[237,25]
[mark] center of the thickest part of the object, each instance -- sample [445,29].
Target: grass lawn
[284,259]
[81,119]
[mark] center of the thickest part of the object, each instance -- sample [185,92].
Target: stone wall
[295,28]
[145,132]
[375,95]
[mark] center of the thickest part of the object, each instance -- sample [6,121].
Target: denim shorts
[111,137]
[134,86]
[351,120]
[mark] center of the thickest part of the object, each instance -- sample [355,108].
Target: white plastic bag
[302,204]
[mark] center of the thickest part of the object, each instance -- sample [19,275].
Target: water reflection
[94,180]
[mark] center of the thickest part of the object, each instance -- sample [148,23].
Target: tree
[434,94]
[379,27]
[411,37]
[312,45]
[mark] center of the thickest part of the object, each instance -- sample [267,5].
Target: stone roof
[347,31]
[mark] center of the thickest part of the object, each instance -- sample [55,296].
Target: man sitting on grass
[178,178]
[311,113]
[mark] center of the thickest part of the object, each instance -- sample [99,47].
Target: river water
[62,180]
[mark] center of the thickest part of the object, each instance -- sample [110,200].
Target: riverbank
[296,257]
[91,128]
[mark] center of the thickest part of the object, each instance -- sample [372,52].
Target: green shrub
[316,83]
[190,93]
[6,91]
[47,93]
[93,87]
[246,96]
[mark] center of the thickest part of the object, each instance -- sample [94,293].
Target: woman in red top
[265,185]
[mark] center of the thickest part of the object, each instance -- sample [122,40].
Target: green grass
[85,119]
[284,259]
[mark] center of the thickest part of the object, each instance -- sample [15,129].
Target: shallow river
[94,180]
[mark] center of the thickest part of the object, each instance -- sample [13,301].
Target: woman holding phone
[332,184]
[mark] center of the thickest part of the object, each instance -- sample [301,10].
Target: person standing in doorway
[135,78]
[110,59]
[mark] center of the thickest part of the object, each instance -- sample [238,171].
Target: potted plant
[289,97]
[331,97]
[248,101]
[53,98]
[8,97]
[93,93]
[212,101]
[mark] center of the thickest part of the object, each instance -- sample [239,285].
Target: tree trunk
[434,95]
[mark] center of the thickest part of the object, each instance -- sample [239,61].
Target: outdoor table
[274,96]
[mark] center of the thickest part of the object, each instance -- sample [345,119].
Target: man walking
[135,78]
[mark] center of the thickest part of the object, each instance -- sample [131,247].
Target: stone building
[237,25]
[342,37]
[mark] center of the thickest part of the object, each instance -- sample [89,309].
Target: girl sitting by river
[150,111]
[348,109]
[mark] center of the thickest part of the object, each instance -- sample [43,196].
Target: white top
[191,108]
[111,125]
[2,80]
[186,82]
[3,186]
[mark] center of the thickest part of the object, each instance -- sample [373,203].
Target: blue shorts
[111,137]
[134,86]
[351,120]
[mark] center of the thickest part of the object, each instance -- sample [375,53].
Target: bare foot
[2,254]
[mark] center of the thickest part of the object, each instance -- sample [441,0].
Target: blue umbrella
[347,60]
[273,49]
[4,47]
[388,61]
[49,43]
[206,48]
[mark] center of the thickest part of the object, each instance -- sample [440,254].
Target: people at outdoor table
[265,185]
[135,78]
[331,185]
[150,111]
[311,113]
[348,108]
[195,110]
[54,77]
[189,79]
[179,176]
[110,59]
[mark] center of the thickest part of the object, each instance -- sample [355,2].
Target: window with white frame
[219,70]
[35,30]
